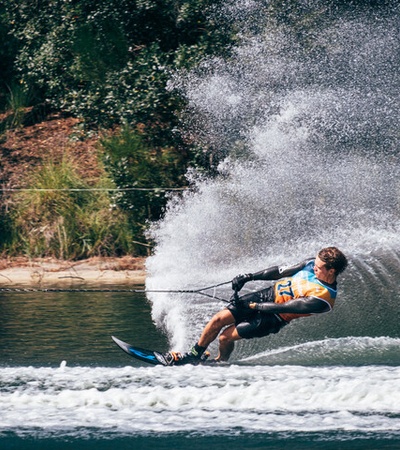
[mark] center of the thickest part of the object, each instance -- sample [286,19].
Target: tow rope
[165,291]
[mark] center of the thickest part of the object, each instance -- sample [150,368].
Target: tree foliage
[135,166]
[109,60]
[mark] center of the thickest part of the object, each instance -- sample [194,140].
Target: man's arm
[277,272]
[270,274]
[304,305]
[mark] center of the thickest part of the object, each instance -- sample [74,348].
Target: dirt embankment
[57,136]
[48,272]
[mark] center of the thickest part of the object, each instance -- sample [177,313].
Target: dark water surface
[341,441]
[44,329]
[65,385]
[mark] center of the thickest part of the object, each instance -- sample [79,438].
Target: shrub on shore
[62,215]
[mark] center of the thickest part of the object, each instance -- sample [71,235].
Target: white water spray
[309,129]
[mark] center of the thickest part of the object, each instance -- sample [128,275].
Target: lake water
[64,384]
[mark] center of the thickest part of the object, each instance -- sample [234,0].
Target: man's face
[322,273]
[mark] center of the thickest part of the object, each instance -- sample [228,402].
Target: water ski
[148,356]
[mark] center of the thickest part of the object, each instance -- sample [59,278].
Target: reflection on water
[43,328]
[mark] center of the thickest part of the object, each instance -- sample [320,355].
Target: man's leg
[214,326]
[210,332]
[227,343]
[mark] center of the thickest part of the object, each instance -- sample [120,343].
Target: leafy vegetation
[109,62]
[64,217]
[134,166]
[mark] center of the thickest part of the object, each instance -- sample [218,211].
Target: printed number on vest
[285,289]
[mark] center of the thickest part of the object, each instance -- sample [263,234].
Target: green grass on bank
[62,215]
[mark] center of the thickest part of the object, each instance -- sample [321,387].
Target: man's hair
[333,259]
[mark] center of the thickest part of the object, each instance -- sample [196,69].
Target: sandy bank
[93,271]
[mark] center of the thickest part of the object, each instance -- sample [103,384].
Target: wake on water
[307,122]
[95,403]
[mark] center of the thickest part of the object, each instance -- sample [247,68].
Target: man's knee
[222,318]
[224,339]
[229,335]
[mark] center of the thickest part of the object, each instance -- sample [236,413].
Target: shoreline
[50,271]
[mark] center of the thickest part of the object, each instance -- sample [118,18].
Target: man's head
[334,259]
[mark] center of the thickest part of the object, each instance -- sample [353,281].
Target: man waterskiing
[307,288]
